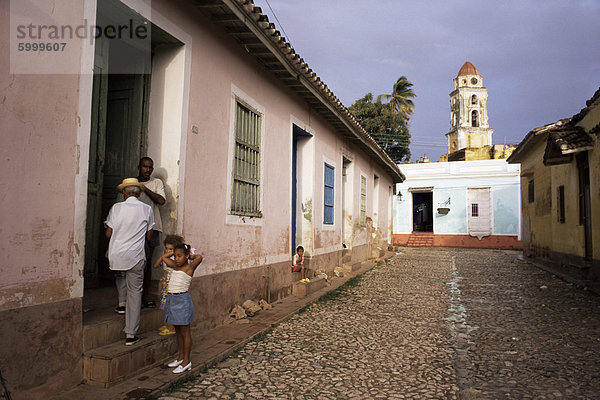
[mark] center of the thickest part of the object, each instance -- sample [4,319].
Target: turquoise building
[459,203]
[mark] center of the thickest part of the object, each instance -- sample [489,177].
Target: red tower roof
[467,69]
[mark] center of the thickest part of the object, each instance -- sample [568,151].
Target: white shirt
[157,187]
[129,220]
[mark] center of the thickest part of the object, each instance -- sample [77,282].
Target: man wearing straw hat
[128,225]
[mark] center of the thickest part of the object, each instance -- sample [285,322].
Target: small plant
[304,309]
[259,337]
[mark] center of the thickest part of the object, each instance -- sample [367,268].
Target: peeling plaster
[36,293]
[317,243]
[307,210]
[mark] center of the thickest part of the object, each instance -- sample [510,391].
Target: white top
[129,220]
[157,187]
[296,258]
[179,282]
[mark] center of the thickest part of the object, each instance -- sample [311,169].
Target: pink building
[256,154]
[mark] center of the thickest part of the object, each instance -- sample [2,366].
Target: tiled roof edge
[311,80]
[581,114]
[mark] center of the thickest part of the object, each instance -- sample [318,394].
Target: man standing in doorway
[128,225]
[154,195]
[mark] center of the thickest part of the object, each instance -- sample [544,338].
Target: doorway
[300,138]
[422,211]
[347,202]
[118,140]
[119,125]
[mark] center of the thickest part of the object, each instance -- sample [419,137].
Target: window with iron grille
[531,191]
[560,197]
[245,194]
[328,194]
[363,201]
[474,210]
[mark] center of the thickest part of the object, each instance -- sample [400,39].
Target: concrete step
[103,326]
[420,239]
[113,363]
[302,289]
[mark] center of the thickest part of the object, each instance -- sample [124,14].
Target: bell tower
[469,126]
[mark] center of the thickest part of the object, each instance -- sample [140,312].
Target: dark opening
[474,119]
[531,191]
[423,212]
[560,194]
[585,209]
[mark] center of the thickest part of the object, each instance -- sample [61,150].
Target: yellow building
[560,185]
[470,135]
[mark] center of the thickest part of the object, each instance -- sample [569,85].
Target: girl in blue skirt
[179,310]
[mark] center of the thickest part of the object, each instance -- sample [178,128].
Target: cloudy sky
[540,60]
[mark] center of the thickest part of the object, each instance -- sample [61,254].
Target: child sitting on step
[298,264]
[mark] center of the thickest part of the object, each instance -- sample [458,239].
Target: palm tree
[400,99]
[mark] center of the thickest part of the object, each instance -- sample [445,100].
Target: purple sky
[540,60]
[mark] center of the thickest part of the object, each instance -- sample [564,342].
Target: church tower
[469,127]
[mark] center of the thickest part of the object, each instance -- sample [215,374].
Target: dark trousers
[151,244]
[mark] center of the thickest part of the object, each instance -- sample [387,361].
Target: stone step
[346,256]
[103,326]
[113,363]
[302,289]
[351,267]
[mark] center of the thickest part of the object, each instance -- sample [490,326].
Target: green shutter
[363,201]
[245,198]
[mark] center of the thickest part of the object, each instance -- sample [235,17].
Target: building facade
[560,181]
[460,204]
[255,152]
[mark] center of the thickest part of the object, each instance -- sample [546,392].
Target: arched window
[474,99]
[474,119]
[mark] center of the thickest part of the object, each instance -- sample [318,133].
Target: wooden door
[94,226]
[479,220]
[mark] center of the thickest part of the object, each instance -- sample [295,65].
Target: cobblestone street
[433,323]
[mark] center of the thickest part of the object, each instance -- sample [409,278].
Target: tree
[400,99]
[387,122]
[387,127]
